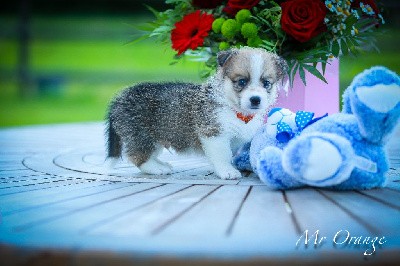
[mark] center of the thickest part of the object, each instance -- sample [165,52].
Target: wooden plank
[250,180]
[30,218]
[44,184]
[387,196]
[265,220]
[16,173]
[16,179]
[313,211]
[47,186]
[373,213]
[157,216]
[24,202]
[43,162]
[211,218]
[85,220]
[36,195]
[12,167]
[73,161]
[30,181]
[40,180]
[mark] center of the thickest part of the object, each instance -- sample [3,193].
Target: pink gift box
[316,96]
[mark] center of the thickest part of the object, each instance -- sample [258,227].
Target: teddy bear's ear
[224,56]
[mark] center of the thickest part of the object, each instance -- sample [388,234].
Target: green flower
[249,30]
[229,28]
[243,15]
[224,46]
[254,42]
[217,24]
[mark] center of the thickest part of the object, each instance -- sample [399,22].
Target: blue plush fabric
[369,77]
[271,172]
[358,133]
[242,158]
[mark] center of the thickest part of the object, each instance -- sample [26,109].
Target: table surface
[59,200]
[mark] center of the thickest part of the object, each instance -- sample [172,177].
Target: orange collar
[244,118]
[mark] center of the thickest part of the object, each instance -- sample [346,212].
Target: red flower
[191,31]
[303,19]
[208,4]
[233,6]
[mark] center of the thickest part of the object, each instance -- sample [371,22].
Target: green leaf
[152,10]
[141,38]
[292,71]
[313,60]
[314,72]
[335,48]
[295,69]
[323,66]
[343,45]
[275,9]
[302,74]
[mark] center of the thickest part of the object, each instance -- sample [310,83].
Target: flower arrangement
[304,32]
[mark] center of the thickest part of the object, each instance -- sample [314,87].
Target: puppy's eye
[242,82]
[266,84]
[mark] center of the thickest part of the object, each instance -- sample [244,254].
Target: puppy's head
[251,78]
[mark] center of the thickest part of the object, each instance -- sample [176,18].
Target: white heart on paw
[324,160]
[380,97]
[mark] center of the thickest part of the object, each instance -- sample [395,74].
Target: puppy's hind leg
[149,163]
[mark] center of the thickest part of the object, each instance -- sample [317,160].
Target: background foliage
[80,57]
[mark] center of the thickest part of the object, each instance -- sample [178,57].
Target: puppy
[216,117]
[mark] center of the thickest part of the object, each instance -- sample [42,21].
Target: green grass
[91,58]
[91,69]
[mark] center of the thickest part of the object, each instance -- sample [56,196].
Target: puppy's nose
[255,100]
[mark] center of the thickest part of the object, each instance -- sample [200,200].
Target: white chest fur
[237,129]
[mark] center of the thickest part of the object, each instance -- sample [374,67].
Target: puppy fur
[145,118]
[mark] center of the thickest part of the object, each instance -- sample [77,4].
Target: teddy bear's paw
[323,160]
[270,171]
[380,97]
[319,159]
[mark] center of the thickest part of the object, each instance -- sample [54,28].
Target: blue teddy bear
[340,151]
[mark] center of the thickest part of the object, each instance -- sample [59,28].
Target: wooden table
[60,204]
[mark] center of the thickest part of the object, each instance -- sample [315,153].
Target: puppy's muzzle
[255,102]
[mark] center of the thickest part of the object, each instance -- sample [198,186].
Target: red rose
[233,6]
[191,31]
[207,4]
[303,19]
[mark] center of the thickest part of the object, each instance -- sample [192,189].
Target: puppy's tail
[114,145]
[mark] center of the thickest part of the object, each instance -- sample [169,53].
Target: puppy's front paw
[228,173]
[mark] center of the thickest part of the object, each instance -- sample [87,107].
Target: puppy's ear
[223,56]
[281,67]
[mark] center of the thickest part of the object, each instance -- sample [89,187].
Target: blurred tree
[24,77]
[51,7]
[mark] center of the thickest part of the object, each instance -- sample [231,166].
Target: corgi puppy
[214,118]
